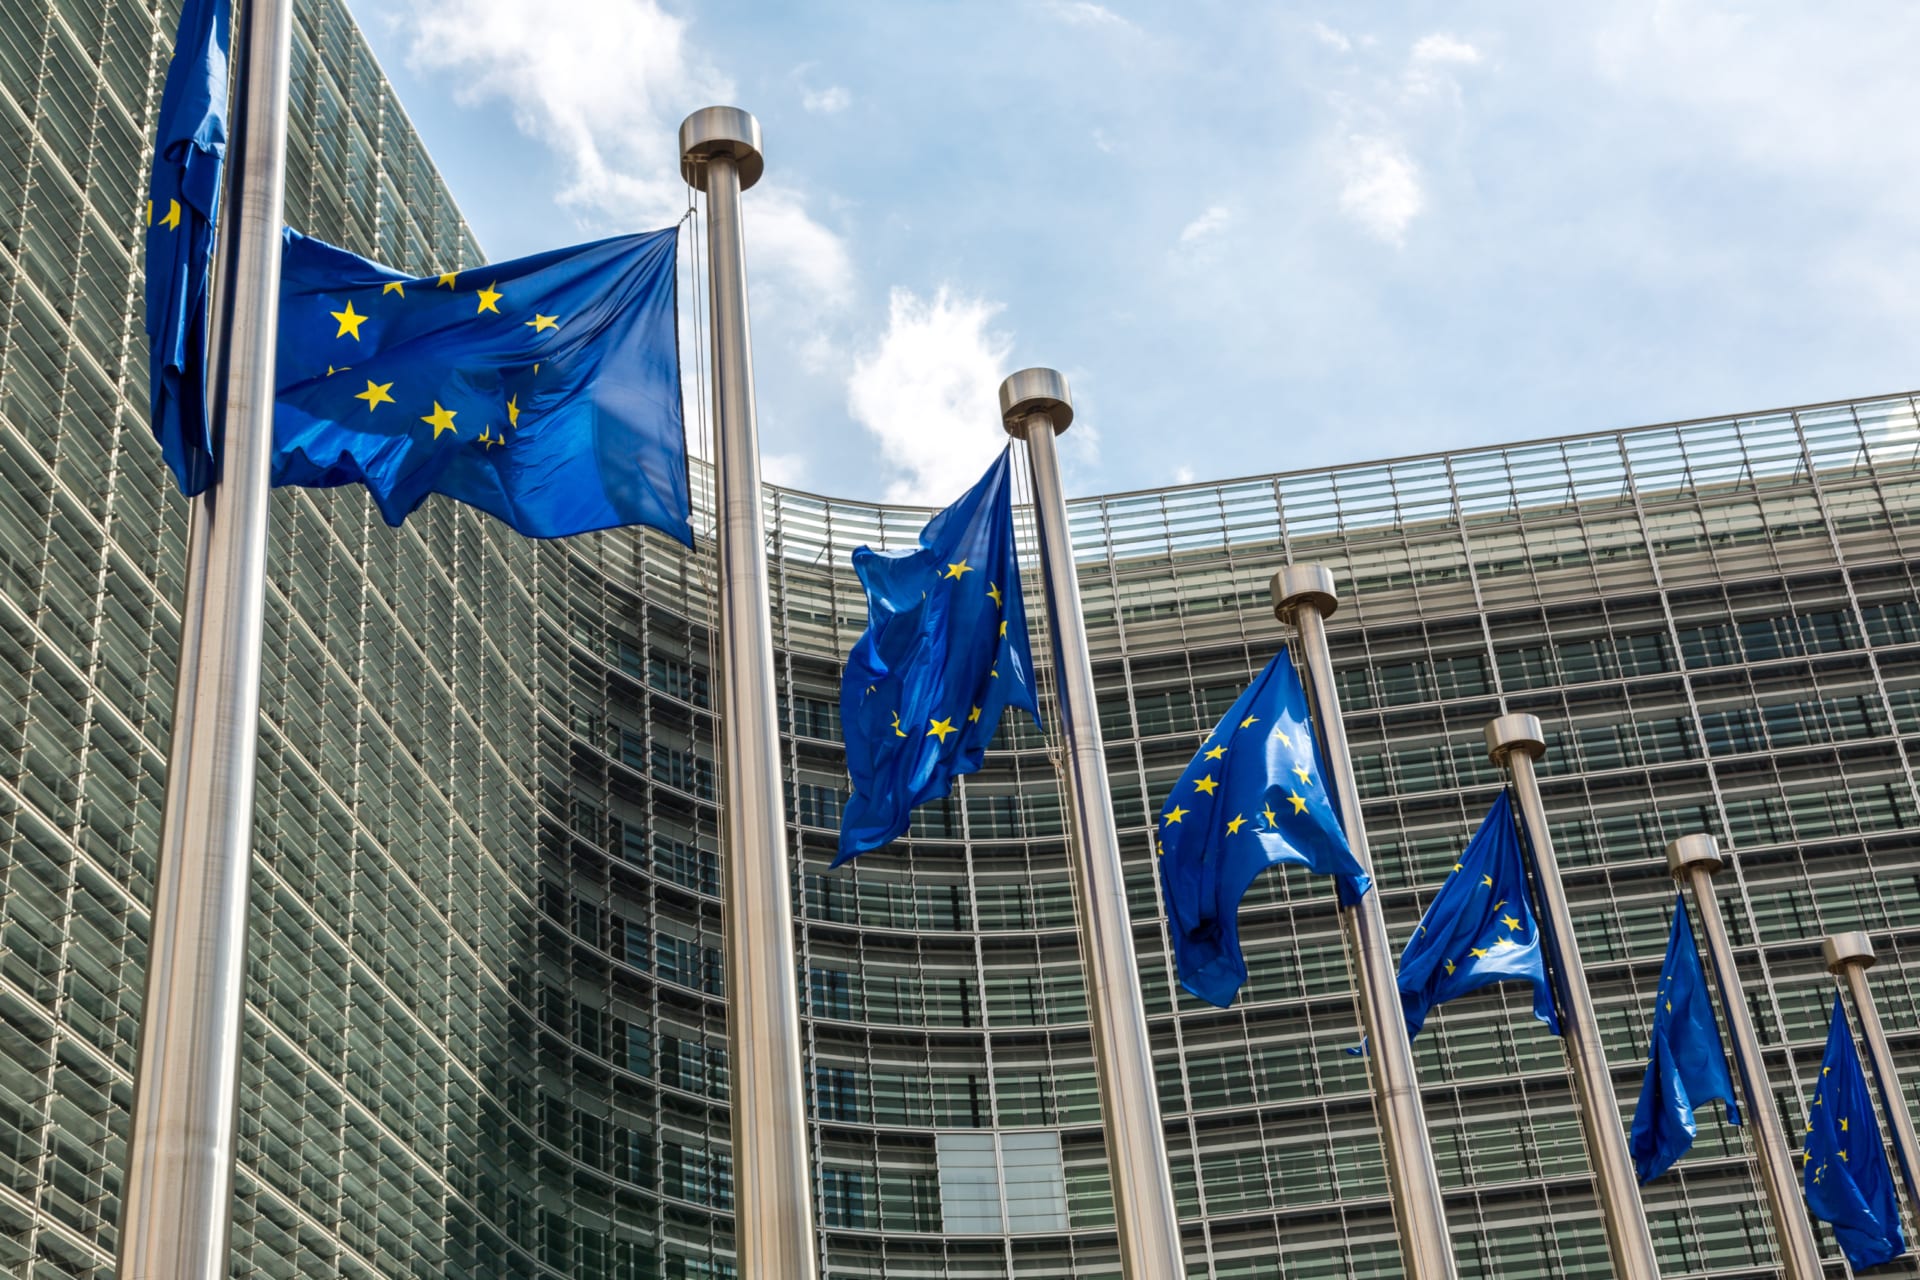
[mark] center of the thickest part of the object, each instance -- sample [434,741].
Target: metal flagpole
[177,1208]
[1849,956]
[773,1192]
[1516,741]
[1693,860]
[1303,595]
[1035,405]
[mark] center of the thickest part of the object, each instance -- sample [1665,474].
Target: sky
[1256,237]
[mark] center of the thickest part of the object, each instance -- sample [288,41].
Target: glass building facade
[486,1027]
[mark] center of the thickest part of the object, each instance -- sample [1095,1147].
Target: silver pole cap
[721,131]
[1694,851]
[1032,391]
[1844,949]
[1516,732]
[1303,585]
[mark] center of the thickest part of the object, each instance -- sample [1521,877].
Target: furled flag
[944,653]
[1255,796]
[545,391]
[183,199]
[1686,1064]
[1848,1181]
[1479,929]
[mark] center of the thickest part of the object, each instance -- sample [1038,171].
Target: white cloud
[1331,38]
[606,89]
[928,392]
[788,470]
[1381,187]
[1084,13]
[1443,48]
[826,102]
[1207,225]
[1183,474]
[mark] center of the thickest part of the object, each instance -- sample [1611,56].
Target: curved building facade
[486,1024]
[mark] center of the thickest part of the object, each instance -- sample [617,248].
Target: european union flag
[1479,929]
[545,391]
[1254,797]
[1847,1179]
[944,653]
[183,198]
[1686,1064]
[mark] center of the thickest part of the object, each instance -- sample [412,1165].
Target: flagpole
[1849,956]
[1693,860]
[1516,741]
[1303,595]
[773,1190]
[177,1206]
[1035,406]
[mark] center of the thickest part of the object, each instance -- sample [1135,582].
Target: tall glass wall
[486,1027]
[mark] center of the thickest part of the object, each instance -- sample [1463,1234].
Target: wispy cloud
[1207,225]
[826,102]
[1084,13]
[928,392]
[605,90]
[1381,190]
[1332,38]
[1441,47]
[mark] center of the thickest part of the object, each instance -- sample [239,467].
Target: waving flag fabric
[1847,1179]
[944,653]
[1478,930]
[1686,1063]
[545,391]
[1255,796]
[183,199]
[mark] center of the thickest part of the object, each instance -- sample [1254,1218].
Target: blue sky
[1256,237]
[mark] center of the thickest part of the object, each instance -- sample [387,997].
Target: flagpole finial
[1694,851]
[1300,585]
[721,131]
[1035,391]
[1518,732]
[1844,950]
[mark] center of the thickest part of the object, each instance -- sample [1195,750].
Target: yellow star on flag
[1249,722]
[394,286]
[376,394]
[446,279]
[172,221]
[489,296]
[440,420]
[350,321]
[974,716]
[1234,825]
[1512,922]
[940,730]
[1486,882]
[540,323]
[1300,772]
[1216,753]
[1299,803]
[1206,784]
[1267,813]
[1282,735]
[960,570]
[1003,629]
[513,412]
[1480,953]
[1176,813]
[898,732]
[993,593]
[1449,968]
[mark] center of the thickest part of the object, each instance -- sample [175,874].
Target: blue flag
[1479,929]
[944,653]
[1848,1181]
[1254,797]
[189,150]
[1686,1064]
[545,391]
